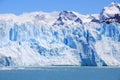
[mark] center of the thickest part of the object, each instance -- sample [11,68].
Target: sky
[81,6]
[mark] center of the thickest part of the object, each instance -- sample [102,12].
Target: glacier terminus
[61,38]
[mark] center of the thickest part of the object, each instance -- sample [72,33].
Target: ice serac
[60,38]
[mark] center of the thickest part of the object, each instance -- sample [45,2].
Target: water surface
[61,73]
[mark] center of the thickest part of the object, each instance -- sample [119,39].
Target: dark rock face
[67,16]
[95,20]
[116,18]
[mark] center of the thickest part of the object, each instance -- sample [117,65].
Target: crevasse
[30,44]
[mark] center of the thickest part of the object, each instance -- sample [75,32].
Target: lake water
[61,73]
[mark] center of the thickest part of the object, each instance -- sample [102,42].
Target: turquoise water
[61,73]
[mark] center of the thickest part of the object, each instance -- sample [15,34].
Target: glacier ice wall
[30,44]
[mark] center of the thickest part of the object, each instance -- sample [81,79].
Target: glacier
[60,38]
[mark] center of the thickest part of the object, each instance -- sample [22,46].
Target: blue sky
[81,6]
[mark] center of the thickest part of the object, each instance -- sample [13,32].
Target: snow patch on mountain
[110,11]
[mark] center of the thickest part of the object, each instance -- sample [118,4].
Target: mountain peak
[113,3]
[110,12]
[67,17]
[113,8]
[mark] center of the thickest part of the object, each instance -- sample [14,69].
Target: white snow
[104,50]
[30,39]
[111,10]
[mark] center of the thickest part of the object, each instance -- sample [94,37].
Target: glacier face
[33,45]
[59,38]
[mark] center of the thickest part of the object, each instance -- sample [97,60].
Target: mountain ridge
[67,17]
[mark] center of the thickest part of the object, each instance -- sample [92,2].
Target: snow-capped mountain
[111,13]
[61,38]
[67,18]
